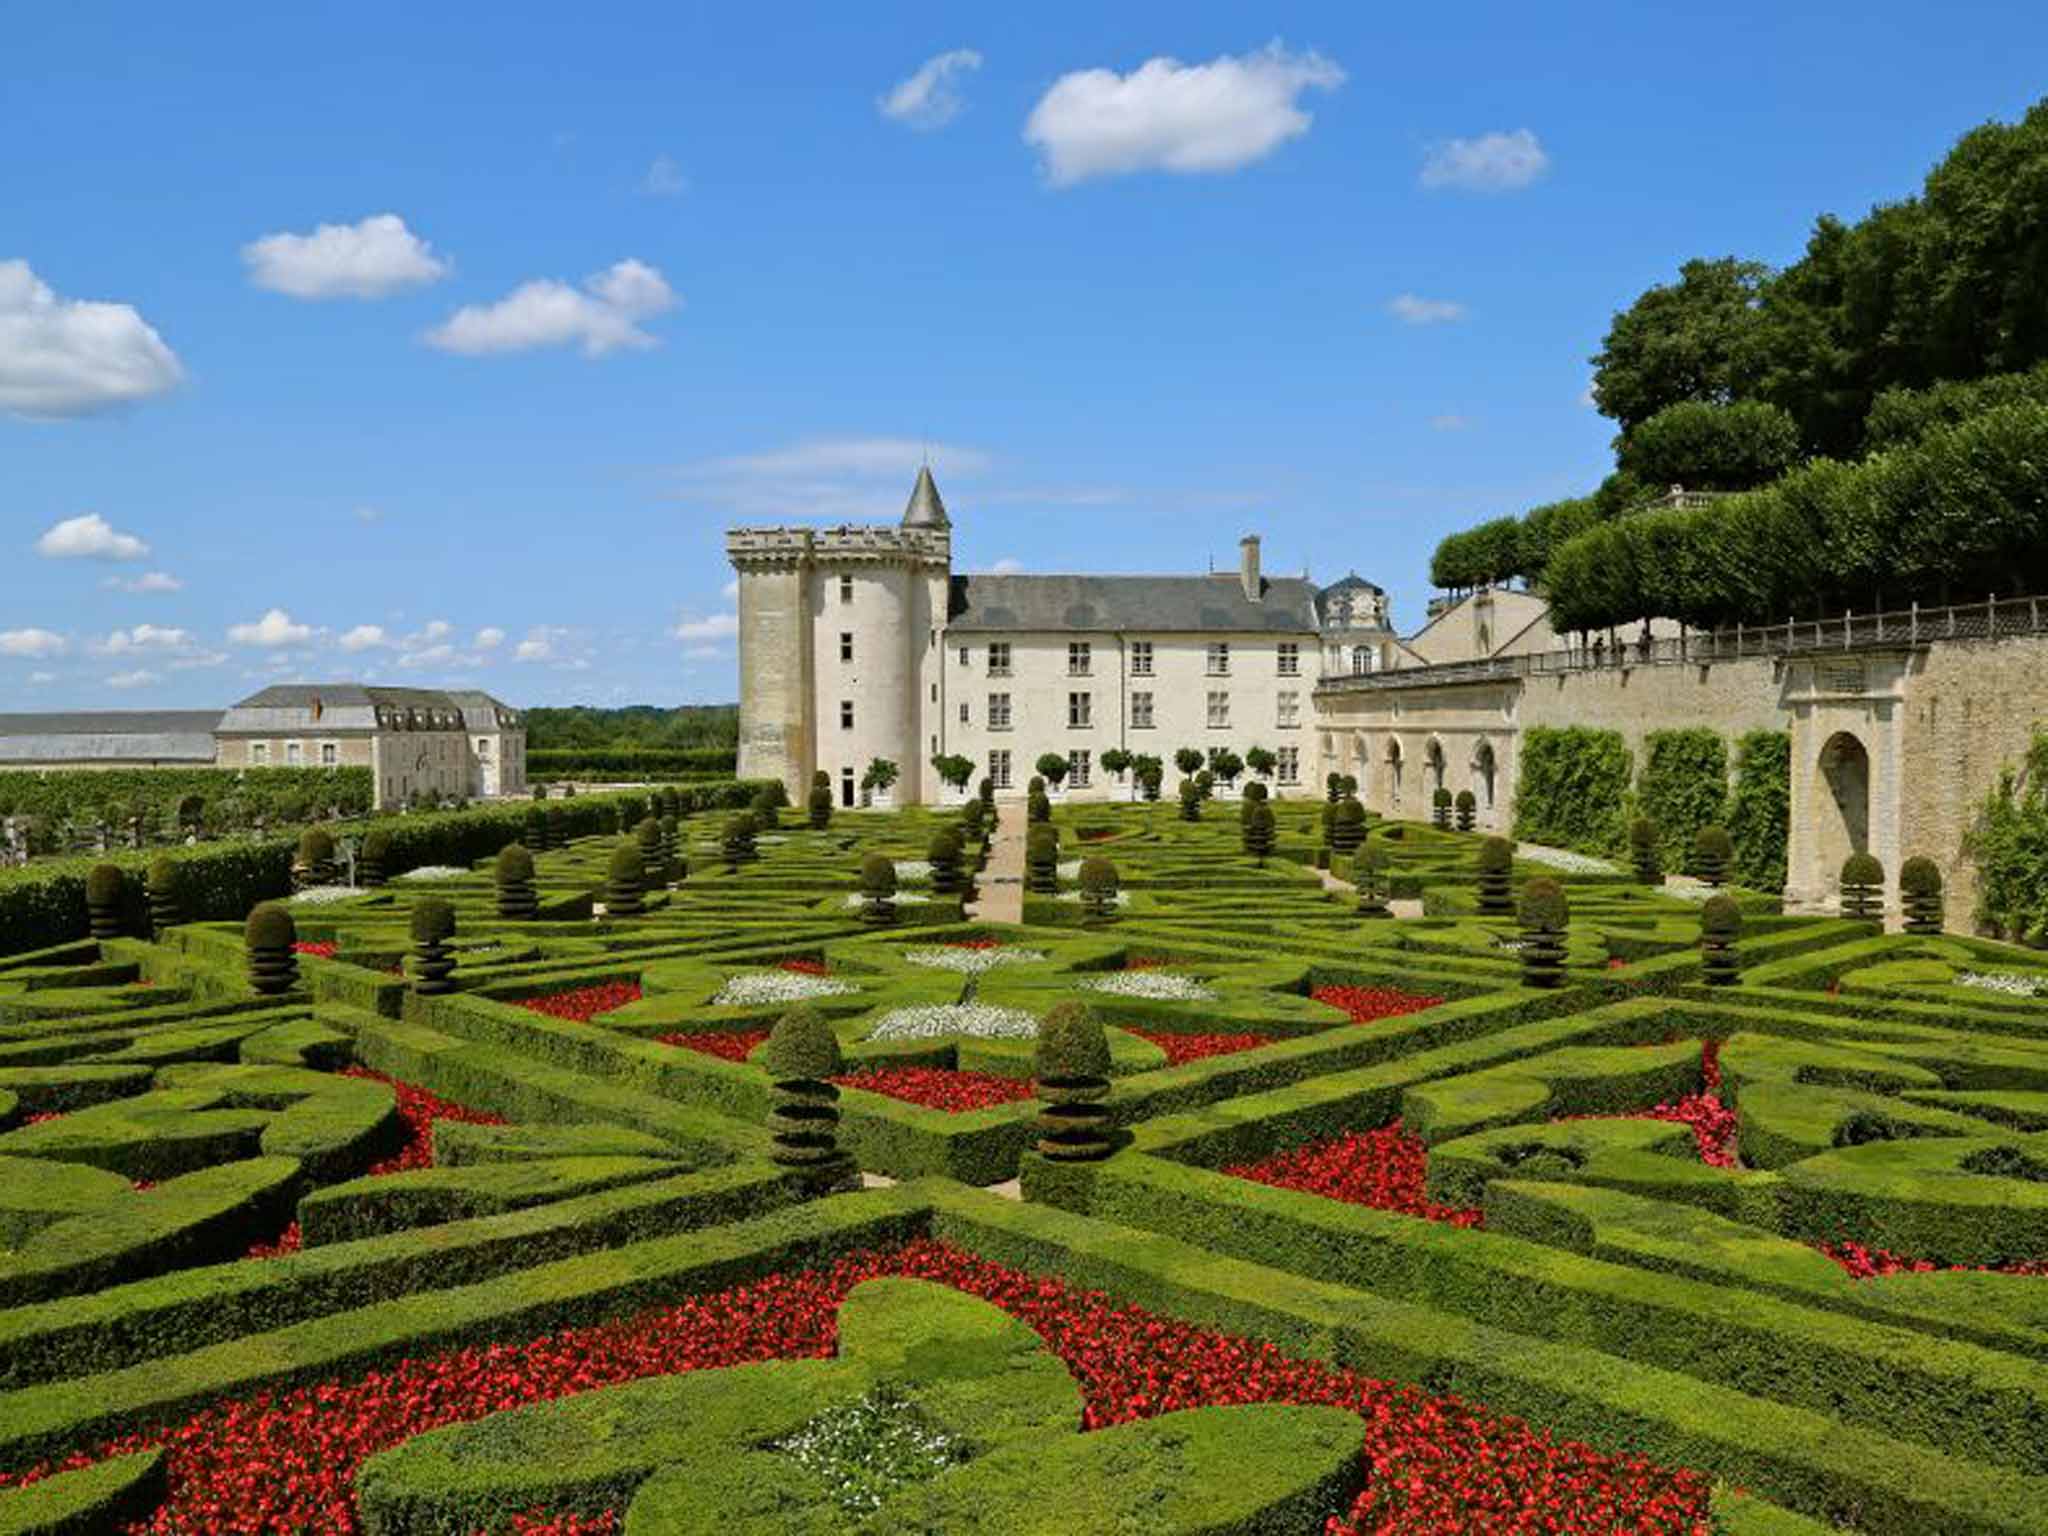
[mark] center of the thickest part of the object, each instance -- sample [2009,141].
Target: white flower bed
[1156,986]
[432,872]
[1690,892]
[1068,869]
[752,988]
[901,898]
[970,962]
[1122,898]
[321,895]
[2011,983]
[1557,858]
[913,871]
[937,1021]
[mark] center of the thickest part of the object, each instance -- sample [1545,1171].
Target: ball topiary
[1712,849]
[433,920]
[1544,914]
[433,960]
[315,862]
[1037,807]
[1072,1065]
[623,882]
[1494,867]
[1190,800]
[268,937]
[1863,887]
[1369,874]
[944,854]
[878,890]
[1720,927]
[653,857]
[165,907]
[819,808]
[1257,832]
[738,843]
[105,887]
[1440,808]
[1042,860]
[1468,810]
[1642,851]
[1347,825]
[1256,793]
[373,859]
[1920,892]
[518,902]
[802,1057]
[1098,889]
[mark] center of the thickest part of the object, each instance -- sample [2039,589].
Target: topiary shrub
[672,846]
[1494,869]
[166,910]
[1256,793]
[1712,848]
[1720,927]
[1098,890]
[767,805]
[820,779]
[802,1056]
[1347,825]
[738,842]
[1190,800]
[1920,892]
[1440,808]
[986,791]
[1369,874]
[878,890]
[1037,806]
[1863,887]
[653,858]
[623,882]
[819,807]
[433,961]
[268,937]
[1072,1063]
[1257,831]
[1041,860]
[558,827]
[315,862]
[1642,851]
[1544,914]
[1468,810]
[518,902]
[944,854]
[536,824]
[373,858]
[1333,786]
[105,886]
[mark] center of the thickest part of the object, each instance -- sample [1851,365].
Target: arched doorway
[1433,758]
[1841,806]
[1483,776]
[1393,775]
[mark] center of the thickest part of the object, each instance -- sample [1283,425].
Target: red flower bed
[1145,962]
[940,1087]
[1184,1048]
[1384,1169]
[974,944]
[1714,1125]
[323,948]
[1869,1263]
[579,1005]
[286,1461]
[731,1044]
[1365,1004]
[290,1240]
[43,1117]
[419,1110]
[807,967]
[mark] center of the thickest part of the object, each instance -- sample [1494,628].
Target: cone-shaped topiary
[1494,867]
[1468,810]
[433,961]
[1037,807]
[622,882]
[1642,851]
[268,937]
[1544,914]
[944,854]
[1440,808]
[315,862]
[1347,825]
[738,842]
[558,826]
[1042,860]
[802,1057]
[1863,887]
[1920,894]
[878,890]
[1369,874]
[536,828]
[166,911]
[820,808]
[1256,830]
[672,846]
[767,806]
[517,900]
[373,859]
[1190,800]
[1072,1063]
[653,860]
[973,831]
[1720,927]
[1098,890]
[1712,848]
[105,886]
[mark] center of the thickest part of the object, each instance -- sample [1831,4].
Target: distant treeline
[637,727]
[631,763]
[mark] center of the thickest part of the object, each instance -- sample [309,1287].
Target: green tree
[1707,447]
[1696,339]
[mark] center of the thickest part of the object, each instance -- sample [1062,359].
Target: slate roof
[334,707]
[110,735]
[1138,604]
[1354,583]
[925,509]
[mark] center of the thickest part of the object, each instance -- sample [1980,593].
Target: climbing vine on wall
[1574,788]
[2009,845]
[1760,809]
[1684,787]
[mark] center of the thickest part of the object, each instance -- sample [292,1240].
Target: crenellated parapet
[779,548]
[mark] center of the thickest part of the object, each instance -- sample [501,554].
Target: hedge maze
[512,1210]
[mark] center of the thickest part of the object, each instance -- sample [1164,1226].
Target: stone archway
[1433,760]
[1485,778]
[1391,783]
[1841,807]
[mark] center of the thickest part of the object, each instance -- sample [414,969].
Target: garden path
[1001,886]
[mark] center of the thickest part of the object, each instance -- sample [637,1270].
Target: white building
[861,643]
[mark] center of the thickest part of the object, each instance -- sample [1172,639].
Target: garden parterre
[1629,1253]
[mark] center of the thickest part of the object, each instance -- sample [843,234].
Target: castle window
[1219,711]
[1289,765]
[999,711]
[1290,659]
[999,768]
[963,712]
[1141,658]
[1141,711]
[330,754]
[1077,770]
[846,714]
[294,754]
[963,655]
[1219,659]
[846,786]
[1078,656]
[999,658]
[1080,711]
[846,589]
[1361,658]
[259,752]
[1289,709]
[846,645]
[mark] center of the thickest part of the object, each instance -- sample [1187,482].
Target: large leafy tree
[1695,339]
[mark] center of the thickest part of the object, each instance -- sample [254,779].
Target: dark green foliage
[1440,808]
[1693,340]
[1041,860]
[623,882]
[1863,887]
[1707,447]
[672,846]
[1643,853]
[1920,892]
[1072,1067]
[1261,762]
[1190,800]
[653,858]
[1683,787]
[820,807]
[1760,809]
[433,961]
[1468,810]
[1052,767]
[1902,416]
[105,888]
[373,858]
[193,799]
[1347,825]
[1150,774]
[1573,789]
[632,811]
[268,937]
[878,890]
[802,1056]
[944,853]
[1545,913]
[1257,830]
[315,862]
[1226,765]
[1369,874]
[1333,786]
[986,791]
[1255,793]
[1189,760]
[1712,849]
[558,826]
[165,909]
[1487,555]
[1098,889]
[1037,806]
[536,834]
[738,843]
[1492,868]
[517,899]
[768,804]
[1720,927]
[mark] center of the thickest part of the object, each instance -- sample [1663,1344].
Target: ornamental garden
[653,1164]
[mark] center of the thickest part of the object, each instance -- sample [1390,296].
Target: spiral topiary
[972,828]
[819,808]
[536,828]
[878,890]
[518,902]
[1712,849]
[268,937]
[315,862]
[1347,825]
[558,826]
[1190,800]
[1042,860]
[738,843]
[166,911]
[1369,874]
[767,806]
[1099,885]
[623,882]
[1468,810]
[373,858]
[1072,1063]
[944,854]
[105,886]
[1544,913]
[802,1057]
[672,846]
[1494,867]
[1720,927]
[433,959]
[1863,887]
[1256,831]
[1440,808]
[653,859]
[1920,892]
[1642,851]
[1037,806]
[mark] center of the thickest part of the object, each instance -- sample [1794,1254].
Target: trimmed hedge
[1574,789]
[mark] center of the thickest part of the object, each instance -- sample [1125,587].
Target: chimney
[1248,565]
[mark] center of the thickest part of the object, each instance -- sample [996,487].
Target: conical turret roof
[925,509]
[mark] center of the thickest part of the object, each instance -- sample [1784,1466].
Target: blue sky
[440,344]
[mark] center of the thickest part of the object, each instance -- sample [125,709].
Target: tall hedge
[233,798]
[1760,809]
[1574,789]
[2009,845]
[1683,787]
[629,762]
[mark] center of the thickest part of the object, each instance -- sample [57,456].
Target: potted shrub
[1118,762]
[1148,773]
[1225,768]
[954,773]
[1260,761]
[1052,768]
[878,784]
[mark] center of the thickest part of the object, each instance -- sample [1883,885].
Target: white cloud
[364,637]
[489,638]
[38,679]
[32,642]
[730,591]
[1009,565]
[369,514]
[435,629]
[89,537]
[429,656]
[148,581]
[1413,309]
[275,628]
[705,653]
[1493,162]
[931,97]
[603,316]
[846,479]
[1190,119]
[369,260]
[539,645]
[144,637]
[857,456]
[197,659]
[140,678]
[69,357]
[664,178]
[719,626]
[1449,423]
